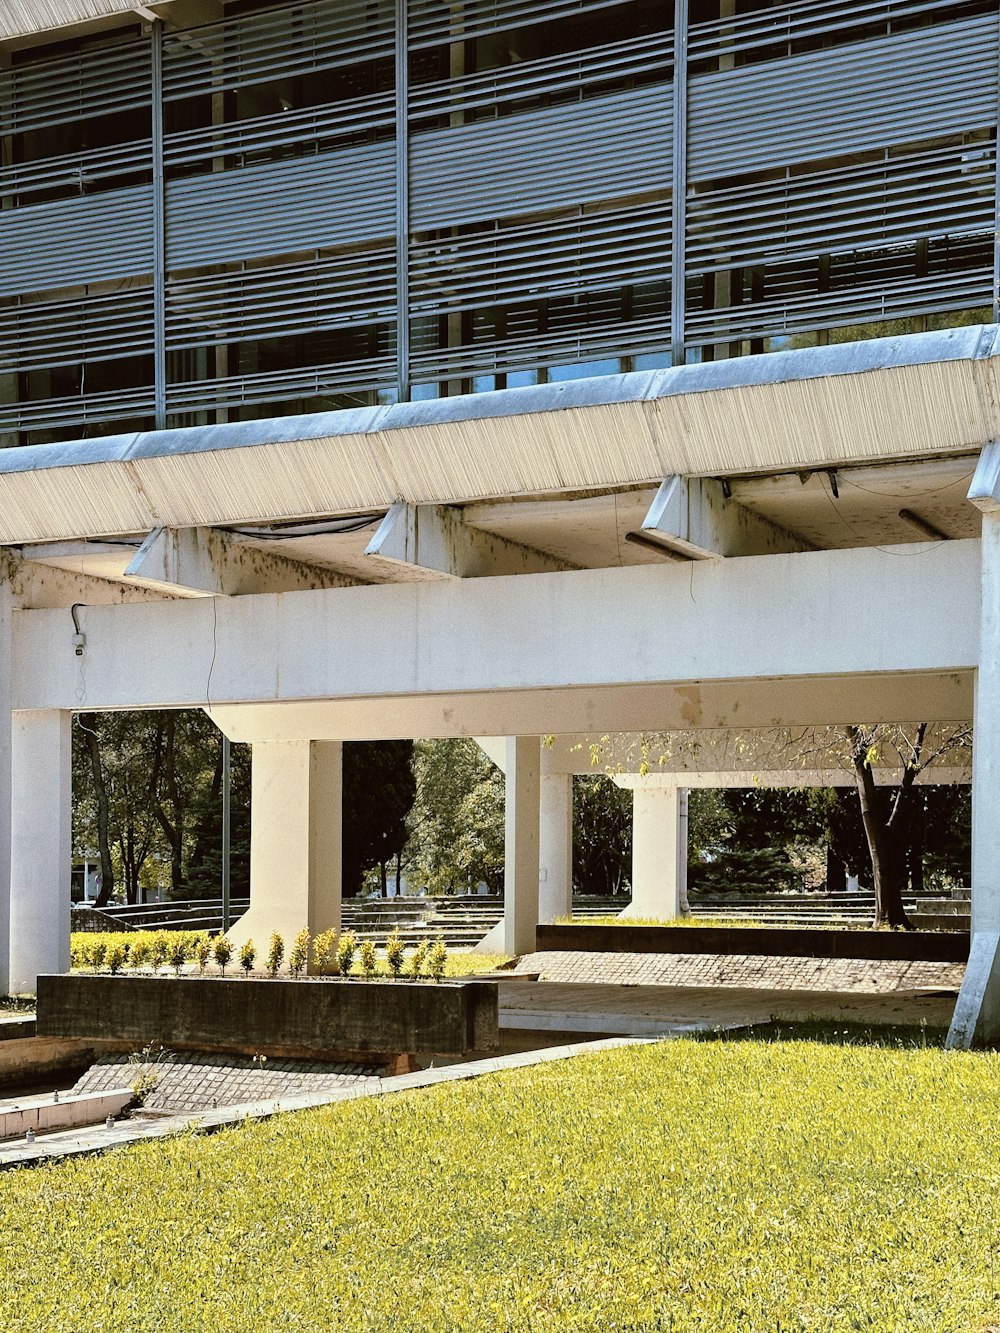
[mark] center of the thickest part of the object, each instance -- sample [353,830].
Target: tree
[146,792]
[887,813]
[886,809]
[602,836]
[379,789]
[456,825]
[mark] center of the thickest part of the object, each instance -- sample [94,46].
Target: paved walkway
[192,1082]
[553,1006]
[743,971]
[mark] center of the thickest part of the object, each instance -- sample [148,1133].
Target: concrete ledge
[32,1058]
[16,1029]
[45,1114]
[446,1018]
[774,942]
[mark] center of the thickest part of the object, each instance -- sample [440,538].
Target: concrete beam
[693,517]
[801,701]
[825,614]
[204,562]
[434,542]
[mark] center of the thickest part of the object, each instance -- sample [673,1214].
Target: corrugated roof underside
[900,411]
[22,18]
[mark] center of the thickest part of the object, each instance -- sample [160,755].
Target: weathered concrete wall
[910,945]
[30,1059]
[448,1018]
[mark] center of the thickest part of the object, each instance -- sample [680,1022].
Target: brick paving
[192,1082]
[859,976]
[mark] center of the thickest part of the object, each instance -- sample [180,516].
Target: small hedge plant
[330,954]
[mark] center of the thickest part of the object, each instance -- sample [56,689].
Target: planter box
[773,941]
[230,1013]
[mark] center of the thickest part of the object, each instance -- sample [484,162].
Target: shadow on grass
[828,1032]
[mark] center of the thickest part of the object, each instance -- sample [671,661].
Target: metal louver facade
[333,203]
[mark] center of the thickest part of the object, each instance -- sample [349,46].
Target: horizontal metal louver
[598,251]
[301,298]
[873,94]
[941,192]
[299,204]
[748,35]
[431,23]
[839,170]
[76,241]
[284,41]
[64,89]
[567,155]
[69,333]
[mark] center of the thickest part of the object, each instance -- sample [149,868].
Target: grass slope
[718,1186]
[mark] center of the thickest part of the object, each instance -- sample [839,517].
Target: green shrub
[223,950]
[79,951]
[324,952]
[177,951]
[98,952]
[346,949]
[248,956]
[138,954]
[202,951]
[368,958]
[437,959]
[159,948]
[115,957]
[394,954]
[298,955]
[275,954]
[417,959]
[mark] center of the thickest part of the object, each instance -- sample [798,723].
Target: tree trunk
[399,871]
[88,725]
[888,861]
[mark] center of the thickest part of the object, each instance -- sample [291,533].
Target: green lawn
[717,1186]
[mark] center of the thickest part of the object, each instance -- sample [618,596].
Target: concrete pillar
[521,846]
[659,850]
[295,841]
[977,1013]
[41,855]
[555,854]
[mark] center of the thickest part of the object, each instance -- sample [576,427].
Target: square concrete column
[555,875]
[521,844]
[296,812]
[41,853]
[977,1013]
[659,849]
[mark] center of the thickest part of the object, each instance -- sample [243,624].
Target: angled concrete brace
[693,517]
[205,562]
[434,542]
